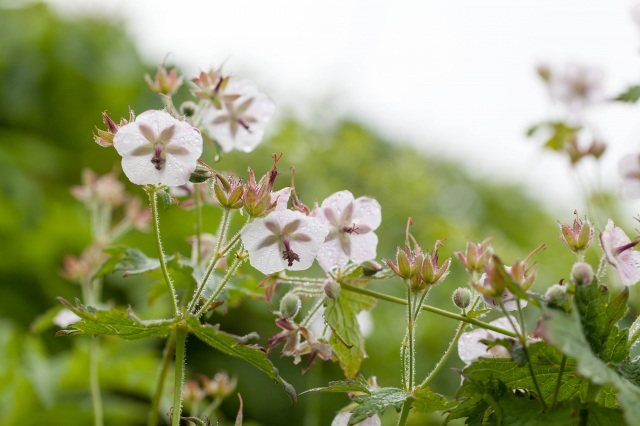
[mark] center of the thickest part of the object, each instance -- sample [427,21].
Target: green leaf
[565,332]
[561,133]
[230,345]
[599,317]
[545,361]
[630,370]
[114,323]
[477,313]
[357,385]
[426,401]
[631,95]
[346,338]
[377,402]
[130,260]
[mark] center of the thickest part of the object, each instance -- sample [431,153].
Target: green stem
[410,358]
[94,380]
[445,357]
[181,340]
[428,308]
[211,408]
[198,199]
[217,255]
[240,257]
[305,322]
[559,381]
[157,396]
[404,415]
[156,228]
[593,391]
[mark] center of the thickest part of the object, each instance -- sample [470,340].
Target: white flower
[342,419]
[241,120]
[470,348]
[351,224]
[158,149]
[618,249]
[281,198]
[578,86]
[65,318]
[629,168]
[283,239]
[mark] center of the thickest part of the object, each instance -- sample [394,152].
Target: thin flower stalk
[167,356]
[181,341]
[240,257]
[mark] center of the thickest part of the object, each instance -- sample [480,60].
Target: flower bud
[188,108]
[556,295]
[164,83]
[290,305]
[370,267]
[201,174]
[582,273]
[475,256]
[461,297]
[331,289]
[577,237]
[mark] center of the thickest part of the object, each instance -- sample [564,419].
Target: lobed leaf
[114,323]
[230,345]
[427,401]
[377,402]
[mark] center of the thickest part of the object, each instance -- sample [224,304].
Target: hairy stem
[559,381]
[181,341]
[445,357]
[94,380]
[428,308]
[163,265]
[240,257]
[198,224]
[408,369]
[404,415]
[167,355]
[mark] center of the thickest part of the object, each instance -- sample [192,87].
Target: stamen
[350,229]
[288,254]
[157,159]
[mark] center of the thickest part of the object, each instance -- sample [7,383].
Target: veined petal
[367,212]
[363,247]
[331,255]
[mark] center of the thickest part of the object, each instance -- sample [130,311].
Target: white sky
[453,77]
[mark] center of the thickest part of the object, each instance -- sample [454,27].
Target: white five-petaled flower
[283,239]
[470,348]
[577,86]
[351,224]
[158,149]
[241,120]
[629,168]
[618,249]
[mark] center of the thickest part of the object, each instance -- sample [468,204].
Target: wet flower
[629,168]
[283,239]
[351,224]
[470,347]
[158,149]
[241,118]
[618,249]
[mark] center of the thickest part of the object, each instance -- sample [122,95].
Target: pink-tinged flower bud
[188,108]
[220,386]
[408,263]
[582,273]
[430,272]
[257,198]
[332,289]
[201,174]
[370,268]
[164,83]
[475,256]
[461,297]
[192,393]
[105,137]
[577,237]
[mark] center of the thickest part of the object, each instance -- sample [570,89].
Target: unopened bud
[188,108]
[331,289]
[556,295]
[370,267]
[201,174]
[461,297]
[582,273]
[290,305]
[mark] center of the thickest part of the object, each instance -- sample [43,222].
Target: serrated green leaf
[631,95]
[377,402]
[630,370]
[343,386]
[565,332]
[599,317]
[427,401]
[114,323]
[477,313]
[346,338]
[229,344]
[561,133]
[546,363]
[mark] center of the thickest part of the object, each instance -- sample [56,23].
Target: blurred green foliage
[56,77]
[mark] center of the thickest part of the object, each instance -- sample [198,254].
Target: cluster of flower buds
[229,191]
[220,386]
[299,341]
[418,268]
[257,195]
[211,86]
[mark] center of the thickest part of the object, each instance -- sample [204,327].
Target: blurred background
[425,110]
